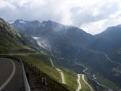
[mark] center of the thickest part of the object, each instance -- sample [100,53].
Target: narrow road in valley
[60,71]
[83,78]
[109,59]
[85,68]
[11,77]
[94,77]
[78,82]
[98,83]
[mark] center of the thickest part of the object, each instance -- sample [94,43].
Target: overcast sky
[93,16]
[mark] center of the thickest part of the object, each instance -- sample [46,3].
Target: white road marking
[78,81]
[10,77]
[83,78]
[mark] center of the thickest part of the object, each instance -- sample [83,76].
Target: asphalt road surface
[11,76]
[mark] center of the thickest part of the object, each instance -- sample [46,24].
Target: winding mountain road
[11,77]
[110,60]
[60,71]
[62,75]
[83,78]
[78,82]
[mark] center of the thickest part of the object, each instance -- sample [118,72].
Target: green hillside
[42,64]
[11,44]
[40,73]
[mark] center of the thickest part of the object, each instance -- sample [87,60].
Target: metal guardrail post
[27,86]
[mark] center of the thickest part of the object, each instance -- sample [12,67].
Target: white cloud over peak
[92,15]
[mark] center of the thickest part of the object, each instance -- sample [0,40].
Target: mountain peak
[119,25]
[49,21]
[52,23]
[20,21]
[1,20]
[4,26]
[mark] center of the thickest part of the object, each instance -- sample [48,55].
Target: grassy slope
[9,38]
[106,82]
[85,87]
[42,66]
[71,81]
[41,62]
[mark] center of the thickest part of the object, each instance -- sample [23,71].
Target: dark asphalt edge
[17,58]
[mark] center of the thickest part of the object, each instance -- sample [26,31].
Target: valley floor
[81,81]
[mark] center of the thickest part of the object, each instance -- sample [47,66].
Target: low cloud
[93,16]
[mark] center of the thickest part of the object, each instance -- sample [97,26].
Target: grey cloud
[58,10]
[81,16]
[27,12]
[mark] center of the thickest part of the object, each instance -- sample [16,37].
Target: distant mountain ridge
[109,42]
[73,47]
[21,48]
